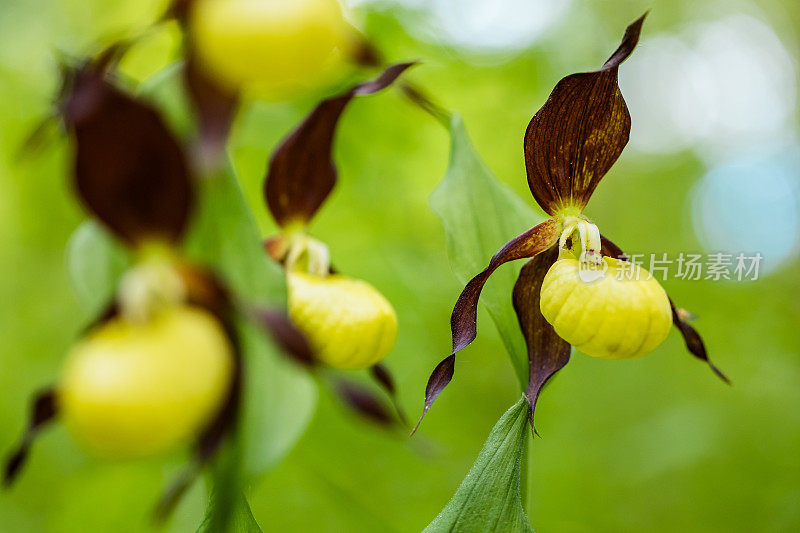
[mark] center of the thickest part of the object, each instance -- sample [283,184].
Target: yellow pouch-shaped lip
[132,389]
[621,314]
[349,323]
[270,47]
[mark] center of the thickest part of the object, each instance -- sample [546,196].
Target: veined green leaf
[95,262]
[480,214]
[488,499]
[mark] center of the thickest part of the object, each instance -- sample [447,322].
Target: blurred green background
[656,444]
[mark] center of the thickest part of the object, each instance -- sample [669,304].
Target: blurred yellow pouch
[349,323]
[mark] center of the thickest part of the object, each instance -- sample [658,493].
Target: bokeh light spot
[751,204]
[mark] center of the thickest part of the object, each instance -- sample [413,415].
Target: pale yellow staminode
[349,323]
[137,388]
[611,317]
[274,47]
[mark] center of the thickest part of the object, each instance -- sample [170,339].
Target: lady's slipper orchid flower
[162,365]
[349,323]
[133,176]
[569,294]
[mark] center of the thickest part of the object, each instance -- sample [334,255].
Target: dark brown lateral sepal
[575,138]
[362,401]
[291,340]
[381,374]
[694,343]
[130,170]
[547,352]
[463,321]
[301,171]
[44,409]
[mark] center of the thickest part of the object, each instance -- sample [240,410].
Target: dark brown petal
[285,333]
[381,374]
[44,409]
[694,343]
[547,352]
[214,107]
[575,138]
[364,402]
[129,169]
[301,171]
[463,321]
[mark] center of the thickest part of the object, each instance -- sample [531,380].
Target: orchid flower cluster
[163,364]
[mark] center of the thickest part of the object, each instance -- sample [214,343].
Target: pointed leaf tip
[488,499]
[479,213]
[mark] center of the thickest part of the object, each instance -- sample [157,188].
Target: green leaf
[279,401]
[488,499]
[241,518]
[480,214]
[224,235]
[279,397]
[95,262]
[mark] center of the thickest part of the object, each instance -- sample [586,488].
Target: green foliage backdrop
[645,445]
